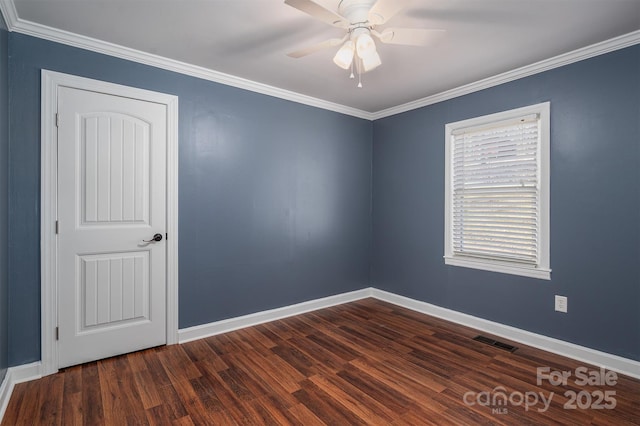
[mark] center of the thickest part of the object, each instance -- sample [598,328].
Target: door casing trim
[51,81]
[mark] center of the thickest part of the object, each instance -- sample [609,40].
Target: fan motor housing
[356,11]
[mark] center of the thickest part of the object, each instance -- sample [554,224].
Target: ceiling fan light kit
[365,46]
[344,56]
[371,62]
[359,18]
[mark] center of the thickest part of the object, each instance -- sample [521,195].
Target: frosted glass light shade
[344,56]
[371,62]
[365,46]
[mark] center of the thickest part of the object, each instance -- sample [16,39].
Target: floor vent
[497,344]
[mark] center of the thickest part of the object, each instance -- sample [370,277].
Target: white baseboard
[231,324]
[608,361]
[15,375]
[570,350]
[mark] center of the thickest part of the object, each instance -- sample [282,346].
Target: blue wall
[274,205]
[595,207]
[4,196]
[276,199]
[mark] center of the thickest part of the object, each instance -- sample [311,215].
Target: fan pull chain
[359,69]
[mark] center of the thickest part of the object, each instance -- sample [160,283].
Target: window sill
[487,265]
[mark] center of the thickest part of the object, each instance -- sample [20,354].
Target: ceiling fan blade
[383,10]
[319,12]
[408,36]
[316,47]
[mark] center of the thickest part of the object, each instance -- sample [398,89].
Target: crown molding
[9,13]
[18,25]
[587,52]
[14,23]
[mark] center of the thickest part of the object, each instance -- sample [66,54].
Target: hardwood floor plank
[15,402]
[172,402]
[156,368]
[147,389]
[137,361]
[285,374]
[305,416]
[296,359]
[302,327]
[327,362]
[361,342]
[377,390]
[183,421]
[334,346]
[234,408]
[407,385]
[283,415]
[339,336]
[239,383]
[382,339]
[72,409]
[256,341]
[413,418]
[366,362]
[190,401]
[325,407]
[260,415]
[73,379]
[352,398]
[120,399]
[157,415]
[463,352]
[177,364]
[199,350]
[204,389]
[32,404]
[310,319]
[52,400]
[268,382]
[93,412]
[272,337]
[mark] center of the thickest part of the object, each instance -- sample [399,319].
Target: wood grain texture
[362,363]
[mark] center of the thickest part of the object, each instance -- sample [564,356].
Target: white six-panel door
[111,198]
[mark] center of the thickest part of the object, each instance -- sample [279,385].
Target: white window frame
[542,268]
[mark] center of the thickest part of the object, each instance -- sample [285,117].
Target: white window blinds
[495,191]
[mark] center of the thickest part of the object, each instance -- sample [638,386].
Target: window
[497,192]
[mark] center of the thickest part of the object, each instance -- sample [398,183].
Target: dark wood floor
[366,362]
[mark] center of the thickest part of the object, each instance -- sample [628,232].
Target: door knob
[157,237]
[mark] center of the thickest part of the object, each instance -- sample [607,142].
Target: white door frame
[48,184]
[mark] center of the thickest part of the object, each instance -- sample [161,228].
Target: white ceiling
[250,39]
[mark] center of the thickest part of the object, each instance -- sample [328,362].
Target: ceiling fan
[360,18]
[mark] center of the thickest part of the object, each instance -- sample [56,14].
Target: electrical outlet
[561,303]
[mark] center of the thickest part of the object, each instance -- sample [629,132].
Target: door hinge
[57,227]
[57,119]
[57,333]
